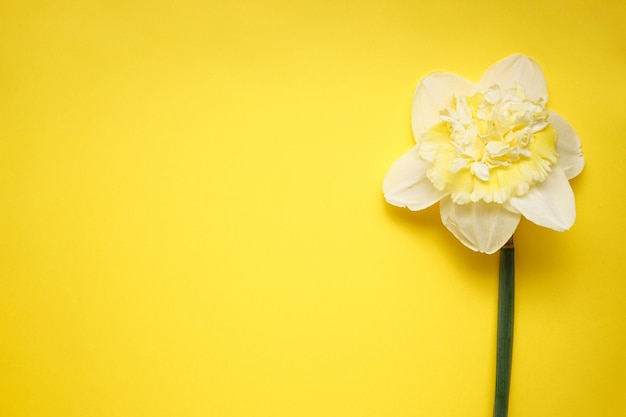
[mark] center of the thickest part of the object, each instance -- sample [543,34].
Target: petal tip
[482,227]
[517,69]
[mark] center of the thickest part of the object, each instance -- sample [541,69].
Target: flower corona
[490,146]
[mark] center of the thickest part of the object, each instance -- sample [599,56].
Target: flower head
[489,152]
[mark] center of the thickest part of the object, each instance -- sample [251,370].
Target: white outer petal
[483,227]
[516,69]
[433,94]
[406,184]
[567,146]
[550,204]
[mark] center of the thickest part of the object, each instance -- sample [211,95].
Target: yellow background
[192,223]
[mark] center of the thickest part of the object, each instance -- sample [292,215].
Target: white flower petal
[516,69]
[406,184]
[567,146]
[483,227]
[550,204]
[433,94]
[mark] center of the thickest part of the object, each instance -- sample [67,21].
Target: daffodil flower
[489,153]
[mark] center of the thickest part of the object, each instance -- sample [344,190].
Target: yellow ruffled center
[490,146]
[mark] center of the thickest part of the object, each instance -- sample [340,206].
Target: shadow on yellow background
[192,222]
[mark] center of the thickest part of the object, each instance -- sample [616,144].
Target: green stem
[504,351]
